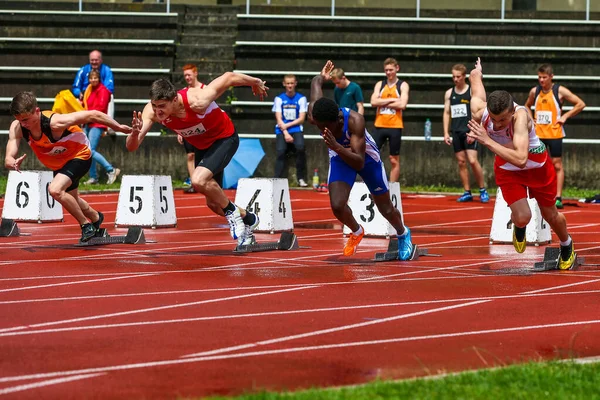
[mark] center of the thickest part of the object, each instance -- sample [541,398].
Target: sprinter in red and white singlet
[193,114]
[522,163]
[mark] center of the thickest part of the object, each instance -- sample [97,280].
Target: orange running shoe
[352,243]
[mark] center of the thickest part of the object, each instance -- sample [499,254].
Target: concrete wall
[422,163]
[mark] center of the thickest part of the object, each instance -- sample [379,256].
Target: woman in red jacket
[97,97]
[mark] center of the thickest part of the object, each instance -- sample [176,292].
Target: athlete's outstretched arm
[60,122]
[140,125]
[11,160]
[316,86]
[200,98]
[478,97]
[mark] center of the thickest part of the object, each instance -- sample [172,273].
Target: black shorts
[394,135]
[459,142]
[188,147]
[75,169]
[554,147]
[217,156]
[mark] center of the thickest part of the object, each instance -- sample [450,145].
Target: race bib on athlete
[387,111]
[192,131]
[289,114]
[543,117]
[459,111]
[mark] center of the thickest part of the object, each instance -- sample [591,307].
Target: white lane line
[75,282]
[244,288]
[158,308]
[123,367]
[340,328]
[307,286]
[564,286]
[49,382]
[292,312]
[332,330]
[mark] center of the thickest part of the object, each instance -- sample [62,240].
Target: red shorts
[541,183]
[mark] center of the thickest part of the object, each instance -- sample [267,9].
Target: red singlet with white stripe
[201,130]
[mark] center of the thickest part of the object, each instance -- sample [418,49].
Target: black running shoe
[88,231]
[99,222]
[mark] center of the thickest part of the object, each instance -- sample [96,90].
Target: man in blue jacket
[81,81]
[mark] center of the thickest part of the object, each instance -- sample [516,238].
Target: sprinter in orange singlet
[548,99]
[390,96]
[59,144]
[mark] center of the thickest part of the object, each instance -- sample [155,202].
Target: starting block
[135,235]
[551,260]
[392,252]
[8,227]
[287,241]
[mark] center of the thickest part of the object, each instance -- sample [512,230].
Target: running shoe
[249,231]
[112,176]
[484,197]
[187,182]
[237,229]
[519,245]
[352,243]
[88,231]
[567,256]
[559,204]
[99,222]
[405,246]
[466,196]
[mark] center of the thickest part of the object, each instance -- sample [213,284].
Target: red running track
[186,317]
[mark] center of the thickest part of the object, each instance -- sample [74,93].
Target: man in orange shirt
[548,99]
[190,75]
[390,96]
[59,144]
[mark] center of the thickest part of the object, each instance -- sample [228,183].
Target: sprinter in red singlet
[193,114]
[521,165]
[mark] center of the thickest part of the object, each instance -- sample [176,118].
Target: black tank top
[460,110]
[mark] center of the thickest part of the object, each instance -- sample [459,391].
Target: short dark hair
[325,110]
[23,103]
[545,69]
[162,89]
[499,101]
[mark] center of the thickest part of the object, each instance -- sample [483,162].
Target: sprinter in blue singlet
[353,151]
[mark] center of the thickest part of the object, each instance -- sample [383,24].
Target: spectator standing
[347,94]
[290,110]
[190,74]
[457,112]
[390,96]
[548,99]
[97,97]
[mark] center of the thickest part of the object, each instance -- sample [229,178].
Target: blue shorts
[373,174]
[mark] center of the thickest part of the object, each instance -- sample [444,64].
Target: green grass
[553,380]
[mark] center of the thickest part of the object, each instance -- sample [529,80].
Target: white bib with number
[543,117]
[192,131]
[458,111]
[387,111]
[289,114]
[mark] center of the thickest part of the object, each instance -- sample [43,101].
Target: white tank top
[536,157]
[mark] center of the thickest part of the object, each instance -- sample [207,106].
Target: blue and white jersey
[290,109]
[373,171]
[371,147]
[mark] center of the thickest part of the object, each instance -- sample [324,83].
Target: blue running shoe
[466,196]
[484,197]
[405,246]
[187,182]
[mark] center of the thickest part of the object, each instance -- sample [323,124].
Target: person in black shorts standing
[457,112]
